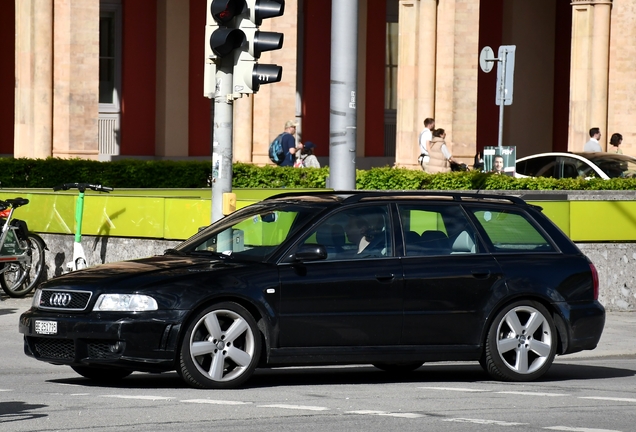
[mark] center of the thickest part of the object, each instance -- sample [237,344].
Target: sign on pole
[505,74]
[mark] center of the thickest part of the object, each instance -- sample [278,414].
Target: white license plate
[46,327]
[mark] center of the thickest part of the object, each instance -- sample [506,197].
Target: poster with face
[500,160]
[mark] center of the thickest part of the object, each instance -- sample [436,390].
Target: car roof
[590,156]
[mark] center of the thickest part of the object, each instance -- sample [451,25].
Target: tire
[521,342]
[221,347]
[101,374]
[19,279]
[398,368]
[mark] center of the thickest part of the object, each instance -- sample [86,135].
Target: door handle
[481,274]
[387,277]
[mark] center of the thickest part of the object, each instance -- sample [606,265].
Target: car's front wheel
[221,347]
[521,342]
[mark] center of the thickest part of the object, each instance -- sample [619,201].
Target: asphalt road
[588,392]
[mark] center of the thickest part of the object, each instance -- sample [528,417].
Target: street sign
[487,59]
[505,74]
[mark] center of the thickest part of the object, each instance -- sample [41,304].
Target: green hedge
[46,173]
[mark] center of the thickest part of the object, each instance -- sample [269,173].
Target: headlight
[36,298]
[125,303]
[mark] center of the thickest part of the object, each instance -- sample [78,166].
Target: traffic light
[222,37]
[248,73]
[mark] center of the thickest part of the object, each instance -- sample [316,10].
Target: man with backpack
[283,148]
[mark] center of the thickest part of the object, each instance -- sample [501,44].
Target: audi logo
[60,299]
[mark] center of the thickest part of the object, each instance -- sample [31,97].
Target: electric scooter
[79,257]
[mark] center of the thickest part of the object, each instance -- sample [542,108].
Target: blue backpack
[276,151]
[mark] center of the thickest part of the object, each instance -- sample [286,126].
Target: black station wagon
[393,279]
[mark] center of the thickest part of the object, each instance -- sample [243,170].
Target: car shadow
[352,375]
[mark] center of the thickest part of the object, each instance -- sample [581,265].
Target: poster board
[501,160]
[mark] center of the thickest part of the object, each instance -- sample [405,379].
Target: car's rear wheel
[101,374]
[521,342]
[221,347]
[398,367]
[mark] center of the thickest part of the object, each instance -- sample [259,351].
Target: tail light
[594,280]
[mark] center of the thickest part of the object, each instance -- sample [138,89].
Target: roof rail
[358,195]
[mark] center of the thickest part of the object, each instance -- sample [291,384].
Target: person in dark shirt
[289,143]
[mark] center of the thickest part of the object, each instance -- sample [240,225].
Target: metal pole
[222,137]
[343,94]
[502,98]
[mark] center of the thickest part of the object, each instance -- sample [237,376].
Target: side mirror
[310,253]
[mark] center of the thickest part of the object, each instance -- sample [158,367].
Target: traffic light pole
[222,137]
[343,94]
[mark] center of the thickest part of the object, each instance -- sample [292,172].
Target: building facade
[108,79]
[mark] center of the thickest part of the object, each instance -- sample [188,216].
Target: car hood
[142,272]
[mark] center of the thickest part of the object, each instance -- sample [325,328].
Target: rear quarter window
[512,231]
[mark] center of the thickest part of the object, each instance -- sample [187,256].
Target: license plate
[46,327]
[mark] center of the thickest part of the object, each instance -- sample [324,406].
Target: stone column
[416,76]
[34,79]
[427,49]
[76,75]
[589,70]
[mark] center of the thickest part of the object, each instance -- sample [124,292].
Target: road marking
[295,407]
[386,414]
[1,390]
[215,402]
[484,422]
[532,393]
[152,398]
[613,399]
[80,394]
[573,429]
[458,389]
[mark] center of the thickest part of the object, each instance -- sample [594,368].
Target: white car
[575,165]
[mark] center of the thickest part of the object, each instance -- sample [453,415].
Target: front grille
[64,300]
[60,349]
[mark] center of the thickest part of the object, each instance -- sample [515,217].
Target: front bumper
[144,341]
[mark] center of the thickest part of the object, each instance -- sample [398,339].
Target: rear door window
[430,230]
[511,231]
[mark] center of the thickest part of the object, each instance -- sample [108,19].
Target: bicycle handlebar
[82,187]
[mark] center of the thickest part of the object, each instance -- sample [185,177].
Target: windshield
[614,165]
[252,233]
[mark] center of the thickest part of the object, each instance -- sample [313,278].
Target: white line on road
[215,402]
[613,399]
[79,394]
[484,422]
[532,393]
[458,389]
[295,407]
[573,429]
[1,390]
[152,398]
[385,413]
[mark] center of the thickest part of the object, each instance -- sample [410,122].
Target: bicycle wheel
[19,279]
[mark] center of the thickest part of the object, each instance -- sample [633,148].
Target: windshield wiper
[174,252]
[223,255]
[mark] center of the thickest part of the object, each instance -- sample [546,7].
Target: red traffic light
[224,11]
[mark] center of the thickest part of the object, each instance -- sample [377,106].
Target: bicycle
[21,252]
[79,257]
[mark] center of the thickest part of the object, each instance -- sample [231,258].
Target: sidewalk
[618,339]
